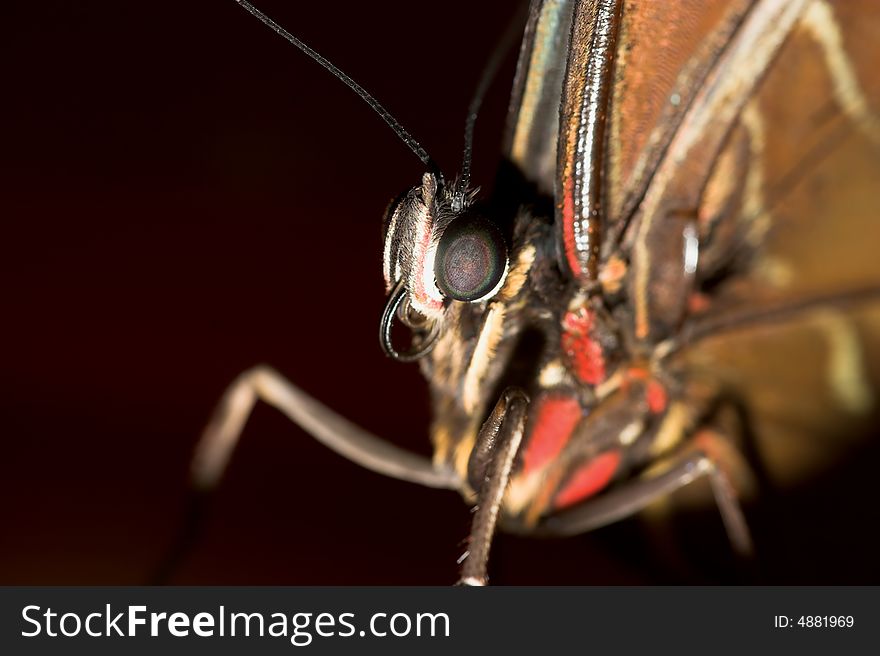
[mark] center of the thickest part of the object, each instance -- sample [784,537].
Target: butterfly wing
[791,283]
[754,122]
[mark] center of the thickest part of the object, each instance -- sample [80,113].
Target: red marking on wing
[656,395]
[635,373]
[698,303]
[589,479]
[555,420]
[584,352]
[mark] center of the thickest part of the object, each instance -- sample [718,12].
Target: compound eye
[471,259]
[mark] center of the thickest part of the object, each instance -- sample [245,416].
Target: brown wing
[533,117]
[664,54]
[790,225]
[756,120]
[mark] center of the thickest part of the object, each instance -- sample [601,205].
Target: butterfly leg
[224,430]
[347,439]
[617,504]
[489,472]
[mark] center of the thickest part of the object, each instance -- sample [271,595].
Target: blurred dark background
[184,196]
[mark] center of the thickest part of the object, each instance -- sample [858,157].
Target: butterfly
[671,290]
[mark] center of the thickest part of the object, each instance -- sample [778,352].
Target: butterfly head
[437,250]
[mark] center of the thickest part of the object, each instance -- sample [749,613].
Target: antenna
[405,136]
[508,39]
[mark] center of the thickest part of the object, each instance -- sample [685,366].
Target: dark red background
[184,196]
